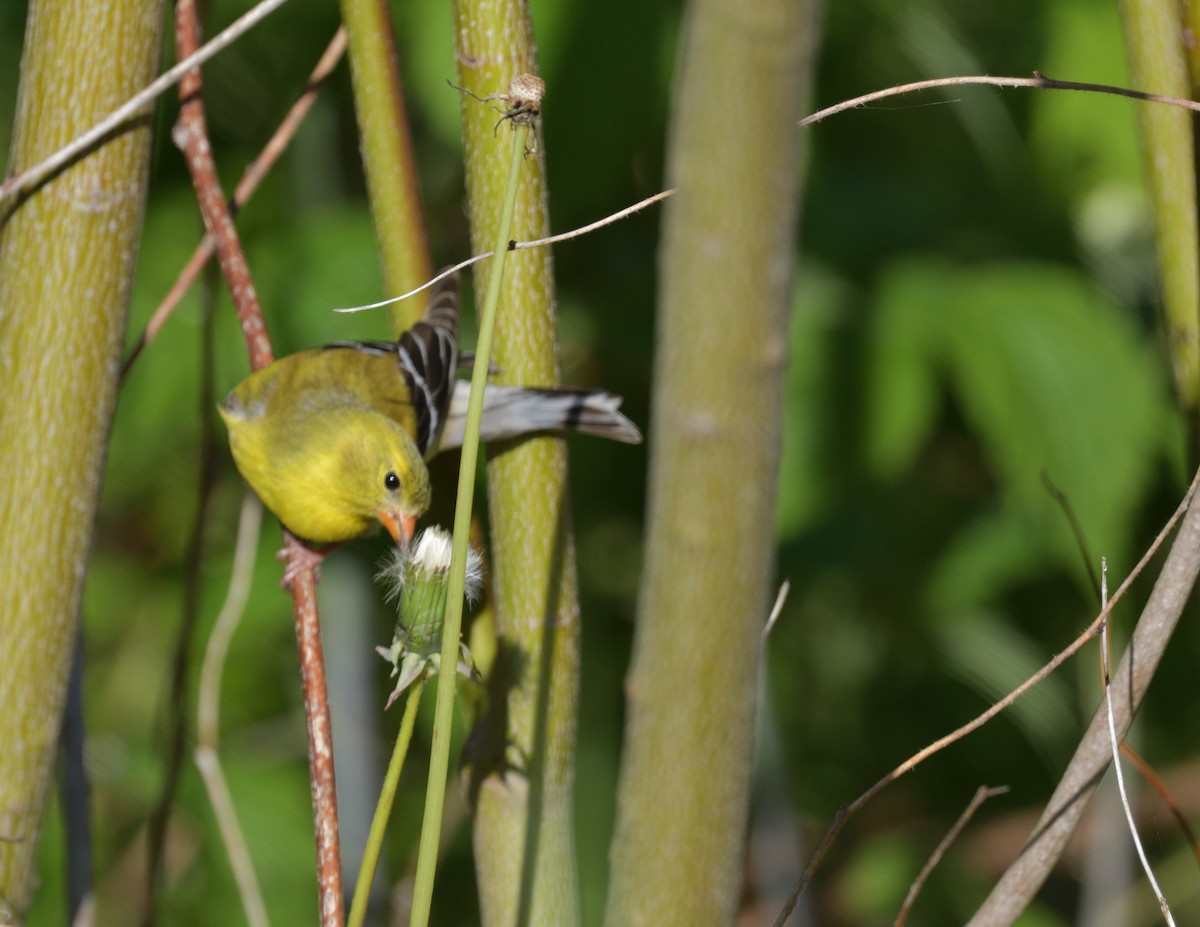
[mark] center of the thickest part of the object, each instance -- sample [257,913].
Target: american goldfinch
[334,439]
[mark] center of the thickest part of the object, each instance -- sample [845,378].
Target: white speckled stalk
[66,268]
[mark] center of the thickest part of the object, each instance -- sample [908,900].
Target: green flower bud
[419,576]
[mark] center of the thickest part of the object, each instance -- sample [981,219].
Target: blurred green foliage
[975,308]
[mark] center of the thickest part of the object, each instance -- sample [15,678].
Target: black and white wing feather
[428,358]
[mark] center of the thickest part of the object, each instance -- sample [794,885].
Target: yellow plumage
[334,439]
[306,434]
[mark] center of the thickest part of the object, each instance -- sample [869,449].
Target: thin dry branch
[191,135]
[518,246]
[320,747]
[845,812]
[1114,743]
[1160,788]
[208,759]
[1045,845]
[982,794]
[1037,82]
[129,110]
[253,175]
[781,597]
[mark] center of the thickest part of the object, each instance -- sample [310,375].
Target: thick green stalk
[439,759]
[387,155]
[66,266]
[1155,38]
[524,826]
[726,260]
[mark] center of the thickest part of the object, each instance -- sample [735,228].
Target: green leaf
[1051,377]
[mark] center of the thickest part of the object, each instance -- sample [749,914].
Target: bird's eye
[392,482]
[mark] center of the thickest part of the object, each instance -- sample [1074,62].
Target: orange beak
[400,527]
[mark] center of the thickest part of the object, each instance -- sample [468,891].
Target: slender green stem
[439,760]
[1158,58]
[383,810]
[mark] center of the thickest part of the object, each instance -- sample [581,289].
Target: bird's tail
[515,411]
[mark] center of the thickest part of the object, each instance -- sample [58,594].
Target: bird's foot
[298,557]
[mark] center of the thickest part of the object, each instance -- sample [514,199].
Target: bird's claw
[298,557]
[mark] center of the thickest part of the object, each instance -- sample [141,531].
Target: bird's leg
[299,556]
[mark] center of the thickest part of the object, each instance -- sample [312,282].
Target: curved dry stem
[518,246]
[1146,771]
[1037,82]
[1041,852]
[254,174]
[208,760]
[845,812]
[982,794]
[1114,743]
[130,109]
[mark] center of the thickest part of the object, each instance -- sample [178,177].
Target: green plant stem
[720,351]
[1154,36]
[387,152]
[383,809]
[439,760]
[67,254]
[523,748]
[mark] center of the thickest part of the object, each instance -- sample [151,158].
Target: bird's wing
[428,355]
[425,357]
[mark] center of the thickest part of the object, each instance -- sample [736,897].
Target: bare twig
[1155,782]
[253,175]
[208,759]
[592,226]
[982,794]
[1114,742]
[518,246]
[1151,635]
[1038,81]
[191,135]
[132,107]
[320,748]
[1068,511]
[784,588]
[845,812]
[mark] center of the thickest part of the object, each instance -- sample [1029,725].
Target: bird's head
[402,481]
[390,482]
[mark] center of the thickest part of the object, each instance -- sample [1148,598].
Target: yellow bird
[334,439]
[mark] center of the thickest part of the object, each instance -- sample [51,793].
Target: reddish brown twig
[982,794]
[192,136]
[253,175]
[1164,793]
[845,812]
[320,748]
